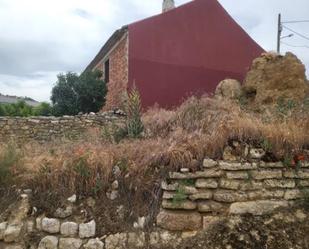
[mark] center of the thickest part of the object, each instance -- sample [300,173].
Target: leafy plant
[188,182]
[180,195]
[288,161]
[134,123]
[266,145]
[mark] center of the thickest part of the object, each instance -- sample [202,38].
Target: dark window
[106,71]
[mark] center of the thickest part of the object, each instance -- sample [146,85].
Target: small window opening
[106,71]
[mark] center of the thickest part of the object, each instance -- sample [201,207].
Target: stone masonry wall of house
[118,77]
[48,128]
[191,201]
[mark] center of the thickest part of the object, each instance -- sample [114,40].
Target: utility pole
[279,33]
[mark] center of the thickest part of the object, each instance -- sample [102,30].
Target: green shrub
[134,123]
[9,159]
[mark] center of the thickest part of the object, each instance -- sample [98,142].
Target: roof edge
[109,44]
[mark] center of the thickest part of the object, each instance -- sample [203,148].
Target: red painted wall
[185,51]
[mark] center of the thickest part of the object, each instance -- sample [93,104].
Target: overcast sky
[40,38]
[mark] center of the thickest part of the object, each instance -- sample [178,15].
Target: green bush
[9,159]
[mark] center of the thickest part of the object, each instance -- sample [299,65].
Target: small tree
[64,96]
[73,94]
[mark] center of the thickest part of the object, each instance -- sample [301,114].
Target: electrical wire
[295,32]
[302,21]
[295,46]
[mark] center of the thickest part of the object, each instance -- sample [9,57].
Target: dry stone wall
[191,201]
[48,128]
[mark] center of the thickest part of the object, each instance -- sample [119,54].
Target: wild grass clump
[10,159]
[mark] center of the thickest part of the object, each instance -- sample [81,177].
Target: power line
[301,21]
[295,46]
[295,32]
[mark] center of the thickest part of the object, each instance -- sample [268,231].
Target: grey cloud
[82,13]
[29,65]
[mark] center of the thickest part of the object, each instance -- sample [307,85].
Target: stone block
[230,184]
[3,227]
[266,174]
[136,240]
[209,221]
[48,242]
[256,207]
[206,183]
[63,212]
[209,163]
[168,195]
[209,173]
[237,175]
[187,235]
[50,225]
[69,229]
[256,153]
[30,226]
[87,230]
[280,183]
[94,244]
[181,204]
[169,187]
[12,233]
[236,166]
[251,185]
[229,196]
[301,174]
[116,241]
[265,194]
[271,165]
[179,220]
[170,239]
[181,176]
[201,195]
[70,243]
[303,183]
[209,206]
[154,239]
[189,190]
[293,194]
[14,247]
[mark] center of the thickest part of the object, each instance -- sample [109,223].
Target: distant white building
[6,99]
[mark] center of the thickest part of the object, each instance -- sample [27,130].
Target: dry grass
[173,139]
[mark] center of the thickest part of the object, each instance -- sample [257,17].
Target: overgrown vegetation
[9,163]
[169,140]
[22,109]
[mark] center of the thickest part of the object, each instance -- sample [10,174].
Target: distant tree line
[22,109]
[71,95]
